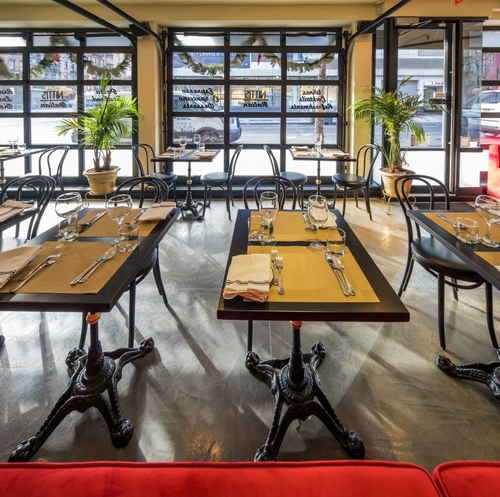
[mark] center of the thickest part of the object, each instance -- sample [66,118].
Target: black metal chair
[143,166]
[298,179]
[221,180]
[36,191]
[156,190]
[360,180]
[51,163]
[432,255]
[283,186]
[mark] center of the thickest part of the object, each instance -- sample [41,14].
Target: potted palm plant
[100,128]
[398,113]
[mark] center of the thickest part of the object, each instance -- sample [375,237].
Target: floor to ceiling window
[45,76]
[278,87]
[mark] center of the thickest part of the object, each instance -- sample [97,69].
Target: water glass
[128,237]
[335,241]
[467,231]
[256,225]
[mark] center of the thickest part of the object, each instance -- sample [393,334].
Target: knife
[91,221]
[335,270]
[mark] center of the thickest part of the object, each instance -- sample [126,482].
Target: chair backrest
[234,160]
[36,191]
[255,186]
[50,163]
[274,163]
[148,187]
[433,194]
[365,160]
[147,153]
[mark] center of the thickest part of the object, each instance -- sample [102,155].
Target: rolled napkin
[157,212]
[10,208]
[249,276]
[15,260]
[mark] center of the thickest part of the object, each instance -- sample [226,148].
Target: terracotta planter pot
[102,182]
[388,179]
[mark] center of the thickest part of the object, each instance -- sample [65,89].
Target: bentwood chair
[360,180]
[432,255]
[144,165]
[51,163]
[255,186]
[298,179]
[154,190]
[221,180]
[36,191]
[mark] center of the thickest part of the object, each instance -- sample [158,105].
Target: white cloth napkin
[204,154]
[249,276]
[302,148]
[157,212]
[10,208]
[334,153]
[331,222]
[15,260]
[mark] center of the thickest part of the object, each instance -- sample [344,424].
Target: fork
[274,254]
[444,217]
[279,267]
[48,261]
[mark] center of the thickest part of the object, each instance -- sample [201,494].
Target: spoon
[109,254]
[339,264]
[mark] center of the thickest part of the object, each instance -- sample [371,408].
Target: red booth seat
[468,478]
[493,182]
[247,479]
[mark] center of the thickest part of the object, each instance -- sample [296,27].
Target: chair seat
[349,180]
[434,255]
[295,178]
[214,177]
[166,176]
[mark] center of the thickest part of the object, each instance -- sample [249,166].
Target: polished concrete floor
[192,398]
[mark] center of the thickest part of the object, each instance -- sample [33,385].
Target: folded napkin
[331,222]
[301,148]
[9,153]
[334,153]
[10,208]
[157,212]
[249,276]
[204,154]
[15,260]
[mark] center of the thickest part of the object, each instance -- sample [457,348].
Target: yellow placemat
[307,277]
[106,227]
[291,227]
[74,259]
[433,216]
[492,258]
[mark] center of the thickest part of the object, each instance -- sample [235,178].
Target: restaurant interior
[192,398]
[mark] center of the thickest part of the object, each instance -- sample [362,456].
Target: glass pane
[199,39]
[300,131]
[198,64]
[43,132]
[255,66]
[121,158]
[491,39]
[251,98]
[312,66]
[117,65]
[254,39]
[108,41]
[11,98]
[491,65]
[12,41]
[93,94]
[52,66]
[10,126]
[198,98]
[55,40]
[53,98]
[11,66]
[314,39]
[471,165]
[308,98]
[259,130]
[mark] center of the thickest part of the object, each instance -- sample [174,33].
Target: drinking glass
[317,210]
[12,139]
[269,210]
[67,207]
[183,141]
[119,207]
[489,209]
[197,140]
[21,147]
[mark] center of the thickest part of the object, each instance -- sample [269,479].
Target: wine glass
[13,139]
[197,140]
[67,207]
[119,207]
[269,210]
[317,210]
[489,209]
[183,141]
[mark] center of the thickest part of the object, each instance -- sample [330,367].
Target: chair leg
[441,285]
[228,206]
[344,202]
[355,193]
[366,194]
[205,195]
[131,313]
[489,315]
[159,281]
[407,274]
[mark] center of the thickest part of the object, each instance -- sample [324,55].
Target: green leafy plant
[104,125]
[397,112]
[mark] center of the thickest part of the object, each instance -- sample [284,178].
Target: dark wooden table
[93,371]
[487,373]
[340,160]
[189,205]
[5,157]
[290,381]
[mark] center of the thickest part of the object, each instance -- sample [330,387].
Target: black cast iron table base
[296,386]
[189,206]
[487,373]
[91,375]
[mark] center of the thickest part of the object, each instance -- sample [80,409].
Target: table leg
[188,204]
[92,375]
[487,373]
[318,179]
[296,387]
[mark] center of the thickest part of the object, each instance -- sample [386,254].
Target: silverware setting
[84,275]
[338,269]
[136,218]
[279,267]
[48,261]
[339,264]
[444,217]
[274,254]
[85,226]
